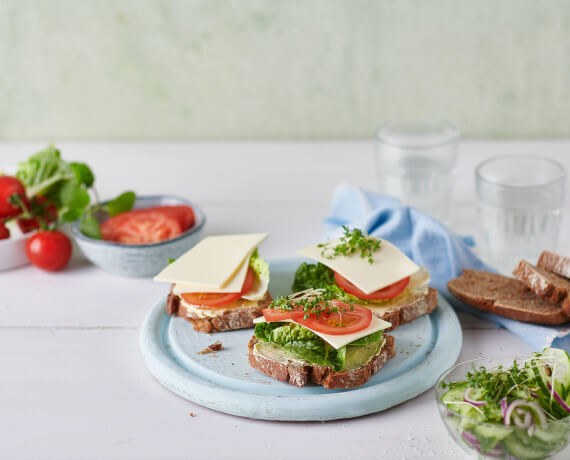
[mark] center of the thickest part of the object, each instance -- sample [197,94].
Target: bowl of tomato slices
[141,242]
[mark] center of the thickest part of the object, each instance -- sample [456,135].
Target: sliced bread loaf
[555,263]
[504,296]
[545,284]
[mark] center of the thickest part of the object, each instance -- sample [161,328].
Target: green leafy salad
[259,266]
[517,412]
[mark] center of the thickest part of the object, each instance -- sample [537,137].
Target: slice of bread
[504,296]
[237,315]
[299,374]
[545,284]
[411,307]
[557,264]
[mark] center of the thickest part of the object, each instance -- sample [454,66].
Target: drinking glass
[416,161]
[519,208]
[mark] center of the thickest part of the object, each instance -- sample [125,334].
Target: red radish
[4,232]
[10,186]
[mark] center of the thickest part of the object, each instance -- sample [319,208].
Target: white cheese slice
[390,265]
[338,341]
[233,285]
[213,262]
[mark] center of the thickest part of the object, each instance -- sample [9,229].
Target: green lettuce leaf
[309,346]
[259,266]
[312,276]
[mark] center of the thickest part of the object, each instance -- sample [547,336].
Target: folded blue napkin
[430,243]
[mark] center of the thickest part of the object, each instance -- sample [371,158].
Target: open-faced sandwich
[373,273]
[220,284]
[319,336]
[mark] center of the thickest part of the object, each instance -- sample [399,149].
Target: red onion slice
[534,408]
[469,437]
[524,422]
[496,451]
[504,406]
[467,399]
[558,397]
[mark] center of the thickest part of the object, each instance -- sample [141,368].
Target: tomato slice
[274,314]
[140,227]
[215,299]
[183,214]
[352,319]
[385,293]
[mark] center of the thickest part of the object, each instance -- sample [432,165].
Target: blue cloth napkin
[427,242]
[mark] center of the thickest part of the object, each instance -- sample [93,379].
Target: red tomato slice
[183,214]
[352,319]
[140,227]
[210,299]
[274,314]
[385,293]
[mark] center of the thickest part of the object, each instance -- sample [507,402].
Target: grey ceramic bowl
[141,260]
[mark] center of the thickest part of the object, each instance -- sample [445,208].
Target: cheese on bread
[390,265]
[216,262]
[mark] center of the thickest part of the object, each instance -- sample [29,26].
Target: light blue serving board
[225,382]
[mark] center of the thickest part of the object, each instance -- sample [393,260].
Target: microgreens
[313,301]
[500,382]
[497,382]
[352,241]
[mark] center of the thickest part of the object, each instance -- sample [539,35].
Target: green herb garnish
[352,241]
[313,301]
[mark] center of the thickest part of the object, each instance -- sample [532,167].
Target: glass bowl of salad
[508,407]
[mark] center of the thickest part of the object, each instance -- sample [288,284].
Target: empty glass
[416,161]
[519,208]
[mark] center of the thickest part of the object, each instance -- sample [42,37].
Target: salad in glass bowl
[508,407]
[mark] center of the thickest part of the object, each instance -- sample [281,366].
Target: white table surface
[73,383]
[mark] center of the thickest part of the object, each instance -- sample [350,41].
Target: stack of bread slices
[538,294]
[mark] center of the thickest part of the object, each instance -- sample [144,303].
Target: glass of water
[416,163]
[520,198]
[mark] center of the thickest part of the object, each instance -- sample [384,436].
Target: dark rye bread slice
[545,284]
[410,309]
[504,296]
[557,264]
[299,375]
[239,316]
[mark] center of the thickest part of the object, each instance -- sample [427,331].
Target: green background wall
[281,69]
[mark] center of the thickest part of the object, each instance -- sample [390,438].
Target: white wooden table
[73,383]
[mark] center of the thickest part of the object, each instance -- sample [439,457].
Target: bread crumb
[216,346]
[192,414]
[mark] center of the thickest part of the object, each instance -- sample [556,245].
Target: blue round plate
[225,382]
